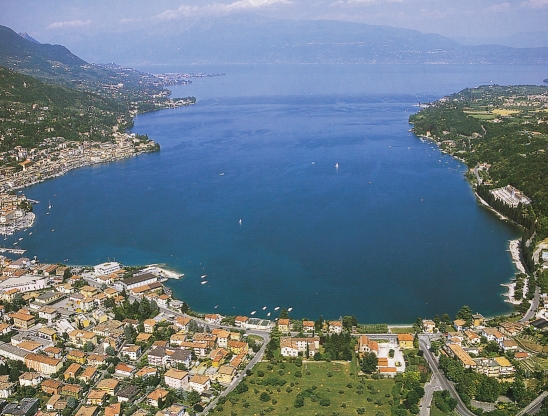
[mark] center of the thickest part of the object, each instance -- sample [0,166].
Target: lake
[343,210]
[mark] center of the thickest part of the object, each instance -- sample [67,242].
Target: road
[534,305]
[534,407]
[441,379]
[477,175]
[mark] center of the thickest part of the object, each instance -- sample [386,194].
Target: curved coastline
[514,246]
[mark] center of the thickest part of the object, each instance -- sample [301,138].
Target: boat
[52,230]
[222,174]
[264,308]
[253,313]
[289,309]
[47,213]
[30,233]
[203,282]
[268,314]
[15,243]
[49,204]
[276,308]
[202,276]
[240,221]
[20,238]
[216,306]
[337,165]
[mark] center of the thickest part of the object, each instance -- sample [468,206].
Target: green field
[337,382]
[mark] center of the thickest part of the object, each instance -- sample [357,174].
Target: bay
[391,234]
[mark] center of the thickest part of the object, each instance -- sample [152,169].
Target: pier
[12,250]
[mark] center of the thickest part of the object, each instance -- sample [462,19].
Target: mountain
[26,36]
[56,64]
[255,39]
[516,40]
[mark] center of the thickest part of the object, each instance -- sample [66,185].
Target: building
[138,280]
[241,321]
[283,325]
[199,383]
[225,374]
[22,320]
[132,351]
[30,379]
[457,352]
[335,327]
[50,386]
[110,385]
[176,379]
[155,398]
[104,269]
[405,341]
[27,407]
[128,393]
[366,345]
[42,364]
[25,283]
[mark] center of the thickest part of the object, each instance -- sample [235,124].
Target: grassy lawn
[402,329]
[337,382]
[434,411]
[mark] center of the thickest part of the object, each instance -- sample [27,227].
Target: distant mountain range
[516,40]
[255,39]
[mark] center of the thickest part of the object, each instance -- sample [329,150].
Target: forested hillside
[32,110]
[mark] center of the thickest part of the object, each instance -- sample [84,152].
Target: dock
[12,250]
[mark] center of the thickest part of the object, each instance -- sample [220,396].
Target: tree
[369,363]
[185,308]
[130,334]
[284,314]
[264,397]
[110,351]
[349,321]
[465,313]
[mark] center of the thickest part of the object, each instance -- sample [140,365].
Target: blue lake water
[391,234]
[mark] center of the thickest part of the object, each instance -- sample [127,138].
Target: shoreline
[513,245]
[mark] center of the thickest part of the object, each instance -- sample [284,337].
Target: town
[111,340]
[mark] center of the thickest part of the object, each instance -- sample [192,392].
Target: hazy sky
[52,20]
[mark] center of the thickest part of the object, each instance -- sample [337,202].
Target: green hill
[32,111]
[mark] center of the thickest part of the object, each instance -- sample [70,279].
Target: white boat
[337,165]
[47,213]
[268,314]
[216,306]
[276,308]
[289,309]
[49,204]
[20,238]
[264,308]
[253,313]
[30,233]
[202,276]
[240,221]
[15,243]
[52,230]
[222,174]
[203,282]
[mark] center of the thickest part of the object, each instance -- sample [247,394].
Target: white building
[25,283]
[176,379]
[105,269]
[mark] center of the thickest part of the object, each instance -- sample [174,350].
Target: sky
[50,21]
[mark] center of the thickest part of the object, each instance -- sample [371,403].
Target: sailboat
[337,165]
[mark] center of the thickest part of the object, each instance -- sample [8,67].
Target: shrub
[325,402]
[260,373]
[264,397]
